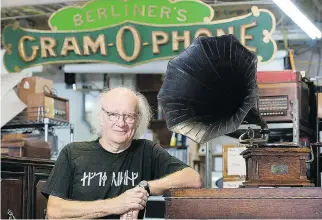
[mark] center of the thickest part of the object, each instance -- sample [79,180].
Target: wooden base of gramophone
[276,167]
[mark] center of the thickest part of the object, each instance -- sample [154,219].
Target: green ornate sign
[131,42]
[104,13]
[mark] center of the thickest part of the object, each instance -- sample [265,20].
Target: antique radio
[54,107]
[282,93]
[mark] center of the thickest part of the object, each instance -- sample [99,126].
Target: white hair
[143,118]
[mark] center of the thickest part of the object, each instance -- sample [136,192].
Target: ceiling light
[299,18]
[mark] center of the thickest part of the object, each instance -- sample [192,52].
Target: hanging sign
[131,32]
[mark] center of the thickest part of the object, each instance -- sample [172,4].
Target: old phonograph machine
[209,90]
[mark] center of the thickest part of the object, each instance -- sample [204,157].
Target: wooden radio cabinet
[276,166]
[280,91]
[276,101]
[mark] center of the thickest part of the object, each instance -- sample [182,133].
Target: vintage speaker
[210,89]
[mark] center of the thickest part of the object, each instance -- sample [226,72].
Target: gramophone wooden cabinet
[276,166]
[244,203]
[21,183]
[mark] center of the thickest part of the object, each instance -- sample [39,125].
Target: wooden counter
[244,203]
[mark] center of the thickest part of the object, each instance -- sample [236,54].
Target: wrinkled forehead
[120,102]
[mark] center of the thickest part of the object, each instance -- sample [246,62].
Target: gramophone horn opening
[210,88]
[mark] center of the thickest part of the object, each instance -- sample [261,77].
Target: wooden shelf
[149,85]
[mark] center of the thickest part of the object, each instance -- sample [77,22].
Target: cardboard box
[32,85]
[232,178]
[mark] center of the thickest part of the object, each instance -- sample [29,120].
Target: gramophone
[209,90]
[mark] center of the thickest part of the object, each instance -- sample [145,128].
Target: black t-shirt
[85,171]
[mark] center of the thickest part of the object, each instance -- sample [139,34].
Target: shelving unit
[149,85]
[35,118]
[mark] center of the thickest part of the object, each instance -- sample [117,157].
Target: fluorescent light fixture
[299,18]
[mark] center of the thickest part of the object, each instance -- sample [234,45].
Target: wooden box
[276,166]
[54,107]
[34,84]
[244,203]
[26,148]
[319,104]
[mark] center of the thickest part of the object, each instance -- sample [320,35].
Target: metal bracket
[296,120]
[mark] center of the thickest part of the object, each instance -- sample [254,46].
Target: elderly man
[114,175]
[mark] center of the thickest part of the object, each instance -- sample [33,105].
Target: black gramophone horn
[210,88]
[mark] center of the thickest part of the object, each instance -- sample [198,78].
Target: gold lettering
[140,11]
[101,13]
[114,12]
[182,15]
[78,20]
[22,51]
[47,45]
[120,43]
[99,43]
[203,32]
[126,10]
[221,32]
[89,17]
[156,41]
[165,11]
[70,44]
[244,37]
[176,39]
[151,11]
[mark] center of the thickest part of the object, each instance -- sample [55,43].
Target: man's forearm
[60,208]
[186,178]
